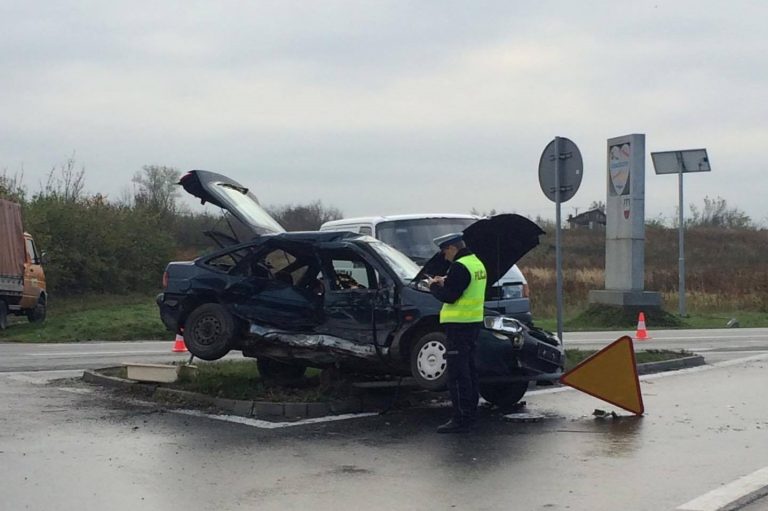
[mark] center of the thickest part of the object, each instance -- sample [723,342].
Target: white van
[413,235]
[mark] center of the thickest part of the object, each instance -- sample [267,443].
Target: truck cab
[34,297]
[22,280]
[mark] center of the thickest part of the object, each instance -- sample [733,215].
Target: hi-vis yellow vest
[469,307]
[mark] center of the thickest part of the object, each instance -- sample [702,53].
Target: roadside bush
[93,245]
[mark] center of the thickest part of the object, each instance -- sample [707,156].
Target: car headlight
[503,324]
[511,291]
[510,327]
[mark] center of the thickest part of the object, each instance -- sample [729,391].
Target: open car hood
[498,241]
[232,196]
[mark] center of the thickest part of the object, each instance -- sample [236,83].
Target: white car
[413,235]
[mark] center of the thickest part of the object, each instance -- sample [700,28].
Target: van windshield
[414,237]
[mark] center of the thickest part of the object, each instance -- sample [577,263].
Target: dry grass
[726,269]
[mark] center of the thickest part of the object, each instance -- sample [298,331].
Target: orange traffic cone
[642,333]
[178,344]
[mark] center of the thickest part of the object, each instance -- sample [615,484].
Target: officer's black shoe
[453,426]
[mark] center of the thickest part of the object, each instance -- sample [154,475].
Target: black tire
[37,315]
[209,331]
[504,395]
[279,371]
[429,365]
[3,315]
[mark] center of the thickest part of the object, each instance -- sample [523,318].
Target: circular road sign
[571,169]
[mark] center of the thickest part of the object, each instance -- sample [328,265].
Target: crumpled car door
[363,315]
[268,296]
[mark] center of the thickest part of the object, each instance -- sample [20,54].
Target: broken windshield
[400,263]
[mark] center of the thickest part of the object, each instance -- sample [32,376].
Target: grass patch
[92,318]
[575,357]
[609,317]
[603,320]
[240,379]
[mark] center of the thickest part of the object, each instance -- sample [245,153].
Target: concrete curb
[291,410]
[242,408]
[670,365]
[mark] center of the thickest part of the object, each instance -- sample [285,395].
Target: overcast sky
[384,107]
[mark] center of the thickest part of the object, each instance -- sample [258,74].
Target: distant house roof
[590,219]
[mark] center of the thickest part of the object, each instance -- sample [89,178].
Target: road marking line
[257,423]
[733,495]
[91,353]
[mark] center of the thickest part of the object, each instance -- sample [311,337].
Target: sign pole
[558,260]
[681,245]
[680,162]
[560,171]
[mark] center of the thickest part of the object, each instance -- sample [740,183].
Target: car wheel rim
[431,360]
[208,330]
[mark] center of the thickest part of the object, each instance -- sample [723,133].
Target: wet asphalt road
[66,445]
[715,345]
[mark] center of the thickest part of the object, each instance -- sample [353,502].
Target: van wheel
[503,395]
[209,331]
[429,365]
[37,315]
[3,315]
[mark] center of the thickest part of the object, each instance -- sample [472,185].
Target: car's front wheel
[37,314]
[503,395]
[429,364]
[209,331]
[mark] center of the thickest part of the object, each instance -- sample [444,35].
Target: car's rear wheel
[279,371]
[209,331]
[429,364]
[503,395]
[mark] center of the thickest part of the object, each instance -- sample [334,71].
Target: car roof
[315,236]
[373,220]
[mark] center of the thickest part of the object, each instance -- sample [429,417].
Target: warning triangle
[610,375]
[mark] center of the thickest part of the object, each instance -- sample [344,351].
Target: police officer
[462,291]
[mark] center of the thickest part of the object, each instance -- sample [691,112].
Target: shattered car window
[351,274]
[248,206]
[403,266]
[229,261]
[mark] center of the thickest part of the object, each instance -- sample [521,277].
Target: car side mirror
[43,258]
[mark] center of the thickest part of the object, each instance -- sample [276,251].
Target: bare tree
[597,205]
[477,212]
[304,217]
[11,186]
[66,182]
[717,213]
[156,188]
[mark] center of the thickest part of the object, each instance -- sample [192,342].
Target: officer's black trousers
[462,375]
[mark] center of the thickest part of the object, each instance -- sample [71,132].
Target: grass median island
[240,379]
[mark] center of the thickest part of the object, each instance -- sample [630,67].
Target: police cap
[448,239]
